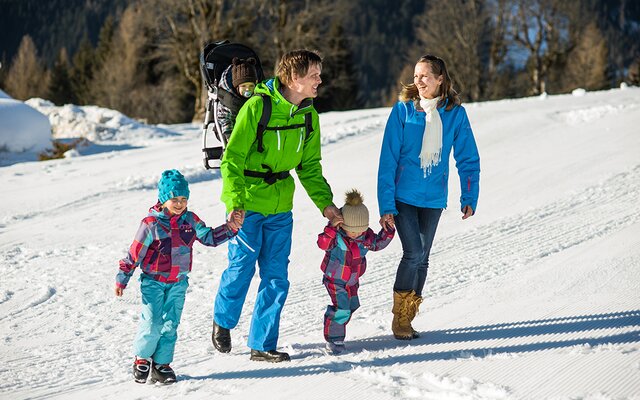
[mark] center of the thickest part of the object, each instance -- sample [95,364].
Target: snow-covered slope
[535,297]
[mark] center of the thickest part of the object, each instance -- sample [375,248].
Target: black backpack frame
[214,59]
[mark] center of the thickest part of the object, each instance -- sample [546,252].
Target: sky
[534,297]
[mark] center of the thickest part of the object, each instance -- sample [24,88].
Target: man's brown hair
[296,62]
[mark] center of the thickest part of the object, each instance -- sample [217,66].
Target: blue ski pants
[162,305]
[267,241]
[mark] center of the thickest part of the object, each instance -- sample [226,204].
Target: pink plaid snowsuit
[343,265]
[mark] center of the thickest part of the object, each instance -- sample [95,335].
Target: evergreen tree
[634,73]
[339,90]
[383,34]
[105,41]
[3,71]
[26,77]
[83,72]
[60,88]
[587,62]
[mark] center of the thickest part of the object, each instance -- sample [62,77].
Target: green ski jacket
[284,150]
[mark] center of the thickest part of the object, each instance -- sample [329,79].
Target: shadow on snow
[534,329]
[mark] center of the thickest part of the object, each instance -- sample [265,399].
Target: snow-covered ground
[535,297]
[22,129]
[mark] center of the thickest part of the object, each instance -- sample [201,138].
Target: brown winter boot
[414,305]
[401,325]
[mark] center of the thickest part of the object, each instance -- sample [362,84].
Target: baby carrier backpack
[214,59]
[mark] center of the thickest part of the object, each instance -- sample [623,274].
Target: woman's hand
[387,222]
[119,291]
[467,211]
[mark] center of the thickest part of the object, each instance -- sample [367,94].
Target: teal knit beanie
[172,184]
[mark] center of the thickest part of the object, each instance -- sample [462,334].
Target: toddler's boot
[336,347]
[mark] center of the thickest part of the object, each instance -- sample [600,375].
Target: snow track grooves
[492,250]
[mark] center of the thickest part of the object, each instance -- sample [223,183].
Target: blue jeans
[416,228]
[267,241]
[162,305]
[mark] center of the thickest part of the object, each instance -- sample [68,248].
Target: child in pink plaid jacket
[346,243]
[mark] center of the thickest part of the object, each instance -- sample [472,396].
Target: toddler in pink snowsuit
[346,243]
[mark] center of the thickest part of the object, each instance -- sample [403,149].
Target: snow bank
[22,128]
[97,124]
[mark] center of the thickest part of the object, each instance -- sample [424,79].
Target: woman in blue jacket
[424,126]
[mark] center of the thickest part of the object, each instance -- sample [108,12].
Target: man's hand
[387,222]
[119,291]
[333,214]
[337,221]
[235,219]
[467,211]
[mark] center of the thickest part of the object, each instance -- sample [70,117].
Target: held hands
[235,219]
[333,214]
[387,222]
[467,211]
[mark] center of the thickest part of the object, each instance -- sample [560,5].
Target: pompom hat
[354,213]
[243,71]
[172,184]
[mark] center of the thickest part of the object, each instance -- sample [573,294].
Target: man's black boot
[221,338]
[269,355]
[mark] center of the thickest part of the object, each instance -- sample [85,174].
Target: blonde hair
[296,62]
[447,94]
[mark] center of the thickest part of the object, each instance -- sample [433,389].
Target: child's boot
[141,369]
[336,347]
[163,373]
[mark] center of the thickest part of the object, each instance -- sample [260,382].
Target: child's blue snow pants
[162,305]
[267,240]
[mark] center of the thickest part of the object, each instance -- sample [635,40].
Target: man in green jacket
[257,189]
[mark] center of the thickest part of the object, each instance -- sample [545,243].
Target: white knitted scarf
[431,151]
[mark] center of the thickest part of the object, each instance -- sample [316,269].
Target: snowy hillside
[535,297]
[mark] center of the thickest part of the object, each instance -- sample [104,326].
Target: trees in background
[145,59]
[586,63]
[60,89]
[26,77]
[456,31]
[284,25]
[179,30]
[511,48]
[619,22]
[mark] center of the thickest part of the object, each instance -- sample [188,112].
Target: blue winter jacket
[399,174]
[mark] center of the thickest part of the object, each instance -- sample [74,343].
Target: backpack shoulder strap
[264,120]
[308,124]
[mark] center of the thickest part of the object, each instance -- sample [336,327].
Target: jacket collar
[272,89]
